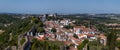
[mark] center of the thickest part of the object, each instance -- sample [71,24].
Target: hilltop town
[58,32]
[65,31]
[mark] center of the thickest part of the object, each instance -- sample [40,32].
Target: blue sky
[60,6]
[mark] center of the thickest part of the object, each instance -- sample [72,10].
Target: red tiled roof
[81,34]
[90,35]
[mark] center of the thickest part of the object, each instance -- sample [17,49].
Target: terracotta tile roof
[102,36]
[40,37]
[90,35]
[83,28]
[81,34]
[49,34]
[78,42]
[51,24]
[67,30]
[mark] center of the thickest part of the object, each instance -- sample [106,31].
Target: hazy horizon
[59,6]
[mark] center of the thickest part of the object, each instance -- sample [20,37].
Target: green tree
[75,36]
[53,30]
[46,45]
[35,20]
[40,29]
[81,46]
[68,27]
[118,44]
[101,27]
[111,39]
[40,24]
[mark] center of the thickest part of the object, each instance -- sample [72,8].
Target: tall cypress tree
[111,39]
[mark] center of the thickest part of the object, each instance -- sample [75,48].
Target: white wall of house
[77,31]
[84,36]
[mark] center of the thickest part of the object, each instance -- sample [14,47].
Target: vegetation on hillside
[19,26]
[46,45]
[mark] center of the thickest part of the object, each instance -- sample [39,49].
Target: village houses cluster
[67,36]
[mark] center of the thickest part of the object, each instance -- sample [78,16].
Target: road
[27,44]
[19,45]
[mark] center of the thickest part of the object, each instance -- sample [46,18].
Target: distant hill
[5,18]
